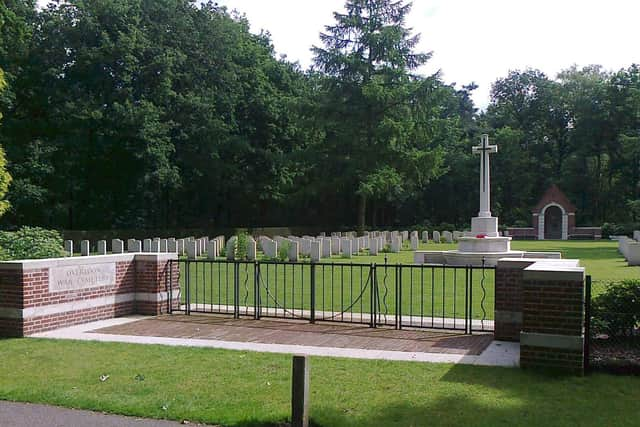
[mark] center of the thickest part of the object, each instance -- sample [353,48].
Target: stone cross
[484,149]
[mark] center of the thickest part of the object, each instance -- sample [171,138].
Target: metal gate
[393,295]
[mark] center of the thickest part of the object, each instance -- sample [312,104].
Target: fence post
[236,290]
[399,285]
[372,281]
[587,322]
[187,287]
[471,301]
[170,290]
[300,392]
[256,291]
[466,300]
[312,317]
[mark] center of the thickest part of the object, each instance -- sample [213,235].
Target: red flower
[481,236]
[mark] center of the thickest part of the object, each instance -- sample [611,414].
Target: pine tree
[368,57]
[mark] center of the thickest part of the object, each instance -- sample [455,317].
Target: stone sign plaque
[82,277]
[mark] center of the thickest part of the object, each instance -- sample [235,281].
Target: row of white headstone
[189,246]
[345,244]
[630,248]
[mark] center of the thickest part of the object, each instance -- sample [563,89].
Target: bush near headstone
[30,243]
[616,311]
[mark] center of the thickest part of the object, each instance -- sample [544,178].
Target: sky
[475,40]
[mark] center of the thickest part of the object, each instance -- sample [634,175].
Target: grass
[253,389]
[424,291]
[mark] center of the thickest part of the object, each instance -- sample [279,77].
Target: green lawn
[253,389]
[426,291]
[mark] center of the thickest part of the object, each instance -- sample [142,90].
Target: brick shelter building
[554,218]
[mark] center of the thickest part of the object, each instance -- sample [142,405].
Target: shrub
[31,243]
[616,312]
[242,240]
[283,250]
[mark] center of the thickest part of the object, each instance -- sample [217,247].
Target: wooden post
[300,392]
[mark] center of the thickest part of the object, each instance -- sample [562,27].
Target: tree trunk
[362,210]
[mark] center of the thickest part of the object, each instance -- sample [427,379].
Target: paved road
[31,415]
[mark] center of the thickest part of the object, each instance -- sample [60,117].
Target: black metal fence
[398,295]
[612,327]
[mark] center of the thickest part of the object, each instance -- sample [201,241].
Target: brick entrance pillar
[552,318]
[540,302]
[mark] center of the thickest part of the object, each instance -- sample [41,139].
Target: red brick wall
[27,306]
[553,311]
[508,304]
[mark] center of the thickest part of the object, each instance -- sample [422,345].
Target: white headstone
[191,249]
[294,252]
[326,247]
[68,247]
[134,245]
[315,251]
[252,250]
[155,246]
[436,237]
[414,242]
[347,250]
[102,247]
[146,245]
[405,236]
[163,245]
[448,236]
[335,245]
[373,247]
[117,246]
[396,244]
[172,245]
[85,248]
[425,237]
[231,248]
[212,249]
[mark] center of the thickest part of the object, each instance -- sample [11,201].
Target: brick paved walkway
[336,335]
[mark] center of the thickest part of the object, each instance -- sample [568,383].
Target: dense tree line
[169,113]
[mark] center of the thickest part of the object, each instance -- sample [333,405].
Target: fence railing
[397,295]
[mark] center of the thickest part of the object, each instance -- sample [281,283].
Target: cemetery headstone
[134,245]
[231,248]
[68,247]
[172,245]
[181,249]
[335,245]
[294,253]
[346,247]
[326,247]
[191,248]
[373,247]
[117,246]
[414,242]
[212,249]
[252,250]
[163,245]
[85,248]
[405,236]
[315,251]
[396,244]
[155,246]
[425,237]
[146,245]
[448,236]
[102,247]
[436,237]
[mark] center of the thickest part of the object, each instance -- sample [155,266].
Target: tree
[377,111]
[5,177]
